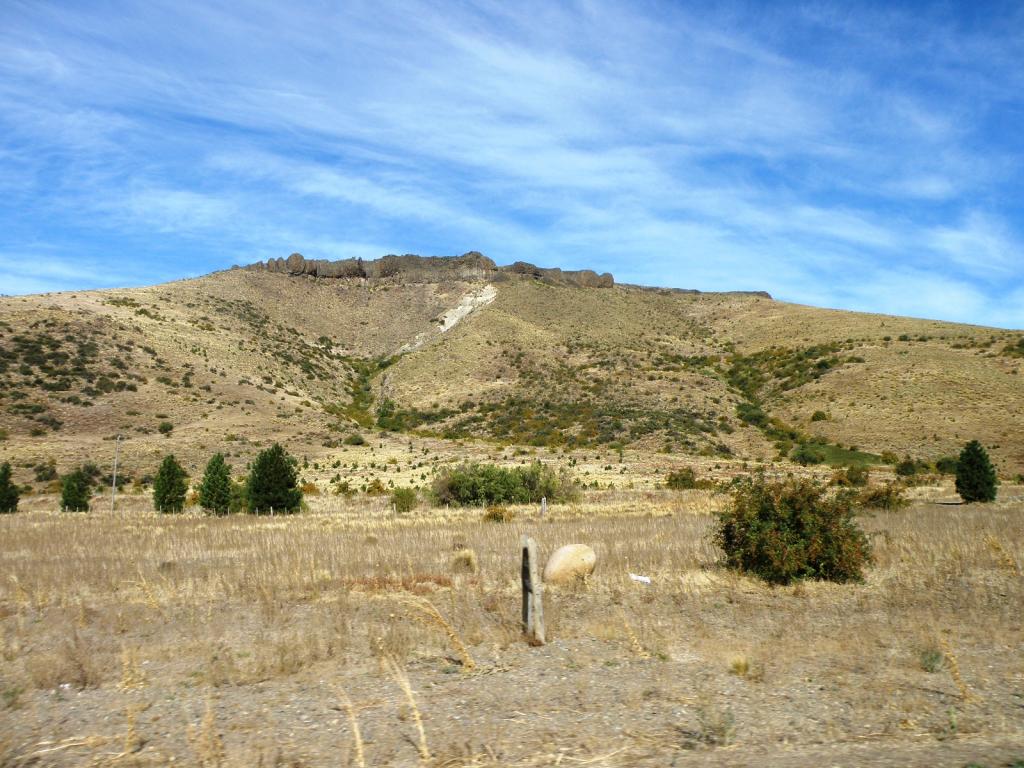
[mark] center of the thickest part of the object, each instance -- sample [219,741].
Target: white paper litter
[641,579]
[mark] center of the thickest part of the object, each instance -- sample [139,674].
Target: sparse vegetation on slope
[239,359]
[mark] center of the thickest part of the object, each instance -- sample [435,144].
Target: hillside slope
[514,355]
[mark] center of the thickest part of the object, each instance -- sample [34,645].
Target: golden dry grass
[225,641]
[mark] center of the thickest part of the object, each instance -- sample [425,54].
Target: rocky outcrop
[470,267]
[694,291]
[584,278]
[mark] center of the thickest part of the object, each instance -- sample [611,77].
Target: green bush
[169,486]
[404,500]
[855,476]
[165,428]
[485,484]
[9,494]
[794,529]
[975,475]
[272,485]
[215,490]
[888,497]
[354,439]
[906,468]
[75,492]
[753,414]
[681,479]
[819,416]
[946,465]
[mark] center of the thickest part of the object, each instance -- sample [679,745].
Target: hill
[461,355]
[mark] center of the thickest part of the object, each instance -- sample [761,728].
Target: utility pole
[113,479]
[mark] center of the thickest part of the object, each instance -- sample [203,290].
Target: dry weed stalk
[1004,557]
[49,747]
[634,641]
[357,737]
[147,591]
[205,741]
[132,741]
[399,676]
[132,675]
[428,613]
[954,671]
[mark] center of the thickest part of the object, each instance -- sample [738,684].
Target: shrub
[781,531]
[165,428]
[851,477]
[906,468]
[404,500]
[215,490]
[753,414]
[498,515]
[819,416]
[465,561]
[888,497]
[272,483]
[946,465]
[975,475]
[9,494]
[169,486]
[45,471]
[931,658]
[681,479]
[354,439]
[76,488]
[483,484]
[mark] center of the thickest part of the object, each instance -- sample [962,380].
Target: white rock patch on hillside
[468,304]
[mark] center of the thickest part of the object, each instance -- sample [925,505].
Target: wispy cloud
[836,154]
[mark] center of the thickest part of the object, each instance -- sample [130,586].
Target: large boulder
[296,264]
[570,563]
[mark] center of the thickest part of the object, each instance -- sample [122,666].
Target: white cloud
[982,244]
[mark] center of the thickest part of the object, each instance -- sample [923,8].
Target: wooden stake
[533,588]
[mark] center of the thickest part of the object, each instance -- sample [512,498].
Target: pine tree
[8,491]
[215,491]
[975,476]
[169,486]
[75,490]
[272,482]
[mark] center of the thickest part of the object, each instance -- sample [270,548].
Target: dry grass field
[350,636]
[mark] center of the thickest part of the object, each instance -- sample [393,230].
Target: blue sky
[850,155]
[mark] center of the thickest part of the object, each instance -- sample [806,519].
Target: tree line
[271,485]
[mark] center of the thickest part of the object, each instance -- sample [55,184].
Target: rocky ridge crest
[472,266]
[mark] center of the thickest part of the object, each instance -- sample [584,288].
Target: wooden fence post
[533,588]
